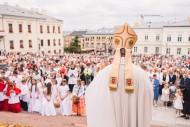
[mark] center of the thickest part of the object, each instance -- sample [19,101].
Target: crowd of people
[40,83]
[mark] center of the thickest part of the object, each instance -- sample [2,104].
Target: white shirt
[25,94]
[13,98]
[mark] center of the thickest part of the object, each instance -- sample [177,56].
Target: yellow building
[99,40]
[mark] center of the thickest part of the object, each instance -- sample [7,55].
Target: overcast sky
[94,14]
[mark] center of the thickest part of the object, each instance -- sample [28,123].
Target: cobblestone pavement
[161,118]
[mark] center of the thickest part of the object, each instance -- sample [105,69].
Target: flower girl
[48,108]
[65,100]
[178,104]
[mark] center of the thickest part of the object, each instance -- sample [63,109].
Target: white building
[23,30]
[173,38]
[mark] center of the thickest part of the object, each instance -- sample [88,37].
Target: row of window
[21,44]
[157,50]
[20,26]
[30,43]
[157,37]
[91,45]
[98,39]
[169,38]
[49,42]
[179,39]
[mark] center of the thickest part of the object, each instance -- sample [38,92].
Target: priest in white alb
[121,95]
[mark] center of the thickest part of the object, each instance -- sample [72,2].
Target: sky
[94,14]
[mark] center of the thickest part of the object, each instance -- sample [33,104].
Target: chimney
[6,3]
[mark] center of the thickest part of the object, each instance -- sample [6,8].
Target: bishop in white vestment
[121,95]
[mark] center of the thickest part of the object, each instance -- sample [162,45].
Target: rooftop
[78,33]
[185,23]
[22,12]
[102,31]
[150,25]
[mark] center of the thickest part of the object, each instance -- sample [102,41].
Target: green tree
[75,42]
[74,46]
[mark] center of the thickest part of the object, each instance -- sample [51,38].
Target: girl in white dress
[54,90]
[178,103]
[165,95]
[48,108]
[65,100]
[34,96]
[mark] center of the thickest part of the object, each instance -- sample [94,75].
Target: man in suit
[172,77]
[185,80]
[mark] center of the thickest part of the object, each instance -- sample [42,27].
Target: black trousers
[24,105]
[71,87]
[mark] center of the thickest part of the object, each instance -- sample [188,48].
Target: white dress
[54,93]
[107,108]
[48,108]
[65,105]
[178,104]
[165,95]
[34,104]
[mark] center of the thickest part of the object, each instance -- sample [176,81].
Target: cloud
[93,14]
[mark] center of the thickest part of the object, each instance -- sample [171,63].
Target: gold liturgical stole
[124,38]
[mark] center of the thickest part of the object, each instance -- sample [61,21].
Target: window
[41,29]
[92,45]
[178,50]
[167,50]
[98,45]
[11,45]
[135,49]
[157,50]
[49,51]
[169,38]
[145,49]
[29,29]
[42,43]
[87,39]
[87,45]
[146,36]
[48,29]
[59,41]
[54,51]
[53,29]
[21,44]
[157,37]
[188,50]
[20,28]
[30,43]
[48,42]
[189,37]
[10,28]
[179,39]
[58,29]
[59,51]
[54,42]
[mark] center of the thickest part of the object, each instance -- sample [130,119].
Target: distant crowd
[40,83]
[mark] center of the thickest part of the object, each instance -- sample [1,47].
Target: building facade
[23,30]
[68,38]
[173,38]
[99,40]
